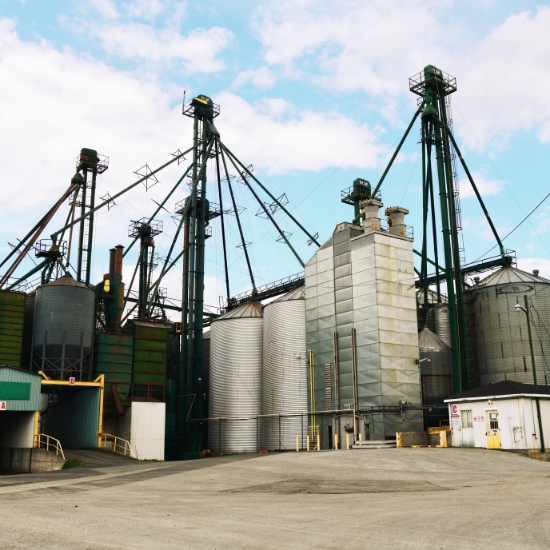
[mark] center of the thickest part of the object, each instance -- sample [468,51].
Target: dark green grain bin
[113,358]
[12,319]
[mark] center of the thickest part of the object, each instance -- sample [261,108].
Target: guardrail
[117,445]
[47,442]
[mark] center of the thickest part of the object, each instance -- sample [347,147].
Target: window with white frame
[466,416]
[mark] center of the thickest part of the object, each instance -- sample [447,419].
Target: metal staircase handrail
[120,445]
[47,441]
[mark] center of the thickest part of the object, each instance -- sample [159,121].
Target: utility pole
[526,310]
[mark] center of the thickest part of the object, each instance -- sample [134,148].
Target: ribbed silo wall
[284,373]
[499,344]
[436,375]
[236,346]
[63,330]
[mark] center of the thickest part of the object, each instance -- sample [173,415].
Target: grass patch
[72,463]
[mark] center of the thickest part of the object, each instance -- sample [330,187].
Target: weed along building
[501,416]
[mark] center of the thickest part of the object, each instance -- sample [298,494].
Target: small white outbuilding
[500,416]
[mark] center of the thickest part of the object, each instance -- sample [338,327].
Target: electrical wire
[354,153]
[517,226]
[506,187]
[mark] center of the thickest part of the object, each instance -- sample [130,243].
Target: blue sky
[312,93]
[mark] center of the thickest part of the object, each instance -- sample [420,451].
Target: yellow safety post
[308,442]
[36,429]
[347,442]
[336,441]
[360,436]
[297,443]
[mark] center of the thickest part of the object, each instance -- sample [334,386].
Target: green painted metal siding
[16,385]
[113,358]
[74,418]
[19,391]
[150,351]
[12,318]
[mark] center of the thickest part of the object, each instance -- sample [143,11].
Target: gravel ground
[391,498]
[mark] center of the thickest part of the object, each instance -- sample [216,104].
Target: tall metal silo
[499,341]
[285,371]
[427,312]
[236,346]
[436,374]
[441,322]
[63,329]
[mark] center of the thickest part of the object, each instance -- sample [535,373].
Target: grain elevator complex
[383,332]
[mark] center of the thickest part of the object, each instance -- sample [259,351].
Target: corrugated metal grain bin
[499,347]
[113,357]
[64,319]
[236,344]
[285,387]
[150,354]
[12,319]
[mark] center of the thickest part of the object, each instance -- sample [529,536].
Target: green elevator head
[77,179]
[430,113]
[203,106]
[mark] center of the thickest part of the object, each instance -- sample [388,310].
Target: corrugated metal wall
[113,358]
[12,319]
[73,417]
[285,371]
[365,282]
[15,376]
[150,350]
[147,428]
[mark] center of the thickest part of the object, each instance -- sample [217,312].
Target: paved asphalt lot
[391,498]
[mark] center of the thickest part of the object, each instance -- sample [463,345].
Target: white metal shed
[500,416]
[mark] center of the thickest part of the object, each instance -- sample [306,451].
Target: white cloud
[279,138]
[263,78]
[145,9]
[198,50]
[105,7]
[373,46]
[484,186]
[55,103]
[505,85]
[542,264]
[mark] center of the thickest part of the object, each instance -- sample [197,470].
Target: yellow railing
[116,444]
[49,443]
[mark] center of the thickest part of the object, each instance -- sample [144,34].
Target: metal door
[493,430]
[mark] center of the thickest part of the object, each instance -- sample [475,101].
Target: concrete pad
[391,498]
